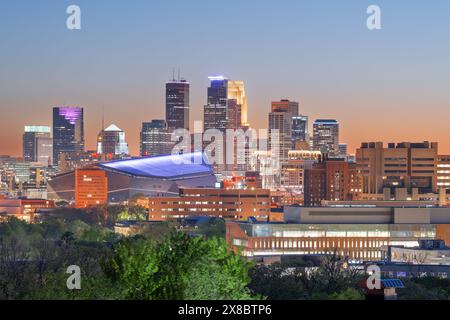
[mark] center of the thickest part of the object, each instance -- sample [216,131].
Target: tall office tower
[37,145]
[402,165]
[281,120]
[216,110]
[226,107]
[236,91]
[68,131]
[177,104]
[111,143]
[326,136]
[156,138]
[234,115]
[300,129]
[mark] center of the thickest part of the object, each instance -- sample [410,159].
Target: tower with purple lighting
[68,131]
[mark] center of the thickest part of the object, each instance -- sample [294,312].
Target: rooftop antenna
[173,74]
[179,74]
[103,117]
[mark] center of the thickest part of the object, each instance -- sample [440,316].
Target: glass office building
[68,131]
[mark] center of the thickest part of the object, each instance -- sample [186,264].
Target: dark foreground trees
[34,261]
[330,280]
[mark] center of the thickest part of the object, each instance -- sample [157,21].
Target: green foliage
[216,228]
[329,281]
[180,267]
[348,294]
[127,213]
[427,288]
[276,283]
[219,275]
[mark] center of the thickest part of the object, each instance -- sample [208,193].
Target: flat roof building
[234,204]
[359,234]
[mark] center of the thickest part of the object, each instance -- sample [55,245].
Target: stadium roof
[164,167]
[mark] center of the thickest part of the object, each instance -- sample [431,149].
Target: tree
[180,267]
[136,266]
[275,283]
[220,275]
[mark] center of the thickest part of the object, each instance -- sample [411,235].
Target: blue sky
[317,52]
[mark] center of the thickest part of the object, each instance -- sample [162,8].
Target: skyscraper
[281,121]
[326,136]
[226,107]
[68,131]
[37,145]
[155,138]
[299,128]
[111,143]
[236,91]
[177,104]
[216,110]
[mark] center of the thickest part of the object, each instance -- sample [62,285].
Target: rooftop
[165,167]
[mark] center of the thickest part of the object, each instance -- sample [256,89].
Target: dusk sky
[385,85]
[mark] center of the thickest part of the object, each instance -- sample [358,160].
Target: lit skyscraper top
[68,131]
[71,114]
[236,91]
[39,129]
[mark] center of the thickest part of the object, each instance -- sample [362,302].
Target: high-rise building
[326,136]
[216,110]
[111,143]
[402,165]
[300,129]
[226,107]
[156,138]
[68,131]
[177,104]
[37,145]
[331,179]
[280,122]
[236,91]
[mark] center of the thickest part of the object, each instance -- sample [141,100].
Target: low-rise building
[360,234]
[24,209]
[234,204]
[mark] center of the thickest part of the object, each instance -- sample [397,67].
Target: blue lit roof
[164,167]
[217,78]
[392,283]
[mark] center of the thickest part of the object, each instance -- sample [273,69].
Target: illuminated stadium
[153,176]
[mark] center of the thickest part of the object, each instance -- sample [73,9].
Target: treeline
[163,264]
[34,259]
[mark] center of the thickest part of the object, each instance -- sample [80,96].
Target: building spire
[103,117]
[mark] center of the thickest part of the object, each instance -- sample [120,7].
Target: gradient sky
[387,85]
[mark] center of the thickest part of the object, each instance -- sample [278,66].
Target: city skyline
[337,69]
